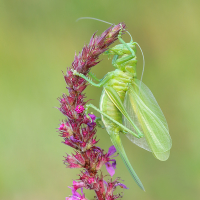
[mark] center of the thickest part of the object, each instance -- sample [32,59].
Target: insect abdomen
[107,107]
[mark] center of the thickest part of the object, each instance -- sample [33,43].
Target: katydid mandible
[128,106]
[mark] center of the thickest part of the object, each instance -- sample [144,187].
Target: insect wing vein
[148,114]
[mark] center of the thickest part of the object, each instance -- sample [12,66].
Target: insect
[127,106]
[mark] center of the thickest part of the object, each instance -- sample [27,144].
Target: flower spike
[79,129]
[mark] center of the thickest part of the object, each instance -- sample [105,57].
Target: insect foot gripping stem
[84,77]
[120,32]
[97,121]
[79,74]
[75,72]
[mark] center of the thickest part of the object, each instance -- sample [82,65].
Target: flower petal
[110,169]
[121,185]
[92,116]
[112,150]
[114,164]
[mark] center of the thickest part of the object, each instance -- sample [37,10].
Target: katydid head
[124,53]
[121,49]
[124,57]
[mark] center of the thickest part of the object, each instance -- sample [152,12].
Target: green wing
[148,117]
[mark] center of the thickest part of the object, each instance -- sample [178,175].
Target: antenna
[93,19]
[143,64]
[129,35]
[101,21]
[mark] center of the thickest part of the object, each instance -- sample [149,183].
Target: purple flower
[111,164]
[79,109]
[93,123]
[92,116]
[76,195]
[111,186]
[111,168]
[75,140]
[112,150]
[121,185]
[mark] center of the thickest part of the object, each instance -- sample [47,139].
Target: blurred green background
[38,39]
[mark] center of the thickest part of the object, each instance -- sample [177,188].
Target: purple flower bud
[65,130]
[61,127]
[74,161]
[80,158]
[85,133]
[94,141]
[90,180]
[83,144]
[69,143]
[78,185]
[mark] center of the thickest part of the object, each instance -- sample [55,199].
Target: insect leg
[114,97]
[124,59]
[93,76]
[115,58]
[102,81]
[125,44]
[110,118]
[116,140]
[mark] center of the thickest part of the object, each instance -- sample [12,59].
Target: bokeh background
[38,39]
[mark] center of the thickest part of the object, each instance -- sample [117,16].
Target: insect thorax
[120,82]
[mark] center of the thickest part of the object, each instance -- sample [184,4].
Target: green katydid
[127,106]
